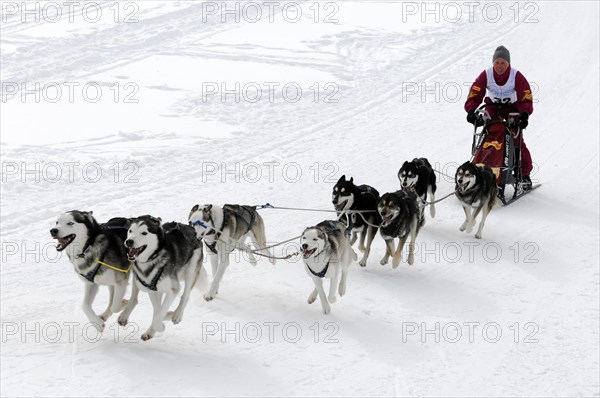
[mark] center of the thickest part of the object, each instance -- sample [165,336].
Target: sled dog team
[164,256]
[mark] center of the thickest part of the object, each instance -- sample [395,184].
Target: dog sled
[498,146]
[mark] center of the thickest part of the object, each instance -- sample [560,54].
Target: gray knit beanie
[501,52]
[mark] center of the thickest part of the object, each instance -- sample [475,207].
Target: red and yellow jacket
[478,91]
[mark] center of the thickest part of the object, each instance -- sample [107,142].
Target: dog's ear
[351,180]
[342,179]
[207,208]
[195,208]
[159,220]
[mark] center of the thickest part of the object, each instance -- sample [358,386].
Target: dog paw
[383,261]
[326,309]
[342,290]
[123,320]
[105,315]
[463,227]
[396,262]
[332,299]
[208,297]
[478,235]
[311,298]
[176,317]
[148,335]
[99,326]
[159,327]
[411,259]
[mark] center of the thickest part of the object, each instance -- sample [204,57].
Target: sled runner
[498,146]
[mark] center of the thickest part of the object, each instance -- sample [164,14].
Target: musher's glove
[523,120]
[471,118]
[474,119]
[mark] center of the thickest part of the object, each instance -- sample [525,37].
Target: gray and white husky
[476,189]
[327,253]
[98,257]
[224,229]
[163,256]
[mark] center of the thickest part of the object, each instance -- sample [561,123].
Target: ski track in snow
[367,135]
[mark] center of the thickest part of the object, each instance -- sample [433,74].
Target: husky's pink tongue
[64,242]
[308,253]
[133,252]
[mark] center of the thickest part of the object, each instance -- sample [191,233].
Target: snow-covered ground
[150,107]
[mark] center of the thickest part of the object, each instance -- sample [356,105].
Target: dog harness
[154,282]
[237,210]
[91,274]
[319,274]
[107,227]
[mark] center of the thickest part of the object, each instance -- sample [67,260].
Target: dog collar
[87,247]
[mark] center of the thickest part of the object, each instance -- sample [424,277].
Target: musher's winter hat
[501,52]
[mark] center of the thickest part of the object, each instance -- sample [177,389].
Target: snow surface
[396,89]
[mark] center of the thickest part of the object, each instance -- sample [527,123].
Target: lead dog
[476,188]
[400,214]
[418,176]
[362,198]
[99,258]
[163,256]
[326,253]
[224,229]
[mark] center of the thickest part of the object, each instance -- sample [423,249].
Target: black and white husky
[224,229]
[163,256]
[400,215]
[348,196]
[327,253]
[418,176]
[476,188]
[99,258]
